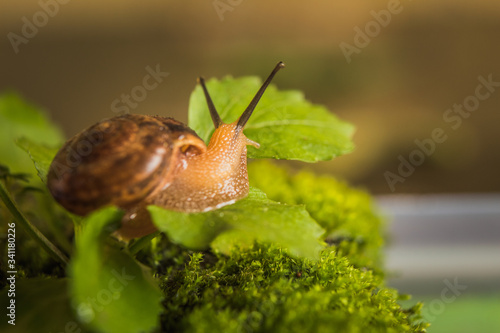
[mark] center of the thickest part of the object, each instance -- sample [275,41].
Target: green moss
[265,290]
[347,214]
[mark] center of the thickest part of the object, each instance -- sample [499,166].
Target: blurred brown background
[395,90]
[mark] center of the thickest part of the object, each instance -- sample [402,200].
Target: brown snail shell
[132,161]
[127,159]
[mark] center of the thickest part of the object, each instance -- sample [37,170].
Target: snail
[132,161]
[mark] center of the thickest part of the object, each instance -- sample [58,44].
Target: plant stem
[53,251]
[142,242]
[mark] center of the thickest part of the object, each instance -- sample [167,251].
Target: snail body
[132,161]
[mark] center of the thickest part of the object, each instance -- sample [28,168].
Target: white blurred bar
[443,236]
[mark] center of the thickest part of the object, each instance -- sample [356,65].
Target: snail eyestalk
[248,112]
[211,107]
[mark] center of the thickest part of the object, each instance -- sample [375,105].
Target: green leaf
[40,154]
[41,305]
[255,218]
[111,291]
[285,124]
[19,119]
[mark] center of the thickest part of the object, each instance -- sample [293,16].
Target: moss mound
[263,289]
